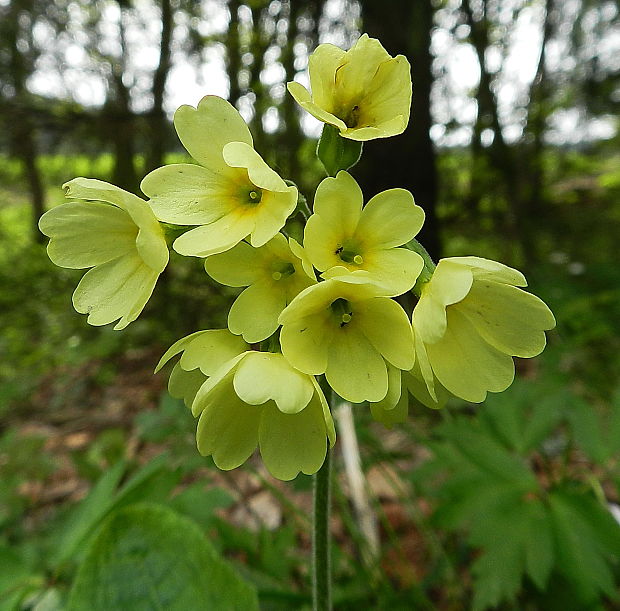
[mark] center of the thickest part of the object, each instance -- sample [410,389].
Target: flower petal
[396,269]
[177,348]
[465,364]
[389,219]
[228,428]
[242,155]
[290,443]
[263,376]
[386,325]
[355,370]
[302,97]
[271,214]
[215,238]
[449,284]
[254,314]
[117,289]
[322,66]
[486,269]
[305,342]
[508,318]
[185,384]
[205,130]
[211,349]
[387,102]
[238,266]
[355,75]
[184,194]
[339,202]
[85,235]
[390,400]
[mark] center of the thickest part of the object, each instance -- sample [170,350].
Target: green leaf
[88,514]
[149,557]
[337,153]
[200,504]
[587,539]
[586,427]
[16,580]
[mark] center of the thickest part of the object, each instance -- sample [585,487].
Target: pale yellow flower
[470,321]
[115,233]
[274,274]
[258,399]
[364,92]
[343,234]
[345,328]
[233,194]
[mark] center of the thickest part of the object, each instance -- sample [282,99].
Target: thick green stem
[321,539]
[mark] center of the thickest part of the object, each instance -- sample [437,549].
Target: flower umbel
[274,274]
[231,195]
[364,92]
[342,234]
[470,321]
[115,233]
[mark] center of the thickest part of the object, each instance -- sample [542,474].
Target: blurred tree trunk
[158,124]
[538,111]
[119,118]
[499,157]
[408,160]
[233,53]
[292,135]
[22,129]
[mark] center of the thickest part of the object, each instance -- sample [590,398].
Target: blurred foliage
[499,506]
[504,505]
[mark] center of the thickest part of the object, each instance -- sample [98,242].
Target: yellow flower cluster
[325,307]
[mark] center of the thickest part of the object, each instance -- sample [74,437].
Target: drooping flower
[115,233]
[202,354]
[258,399]
[274,274]
[231,195]
[344,327]
[340,233]
[472,319]
[364,92]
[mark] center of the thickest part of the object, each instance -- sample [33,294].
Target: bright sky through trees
[67,70]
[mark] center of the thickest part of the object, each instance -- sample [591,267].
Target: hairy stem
[321,539]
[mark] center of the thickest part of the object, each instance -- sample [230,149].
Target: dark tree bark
[407,160]
[233,53]
[119,119]
[22,130]
[158,123]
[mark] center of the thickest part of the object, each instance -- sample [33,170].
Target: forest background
[512,150]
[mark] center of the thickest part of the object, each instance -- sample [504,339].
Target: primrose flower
[344,327]
[258,399]
[274,274]
[341,233]
[471,320]
[364,92]
[202,355]
[231,195]
[115,233]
